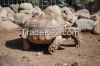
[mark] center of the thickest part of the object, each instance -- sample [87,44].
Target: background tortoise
[50,24]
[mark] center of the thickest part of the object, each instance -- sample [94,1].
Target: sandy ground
[87,55]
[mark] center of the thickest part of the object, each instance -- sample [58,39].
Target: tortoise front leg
[55,45]
[74,33]
[77,40]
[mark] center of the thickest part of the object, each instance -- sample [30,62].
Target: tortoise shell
[45,28]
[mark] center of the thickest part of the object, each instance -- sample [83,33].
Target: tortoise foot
[52,48]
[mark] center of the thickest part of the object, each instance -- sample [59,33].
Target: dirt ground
[87,55]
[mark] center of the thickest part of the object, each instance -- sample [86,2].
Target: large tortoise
[48,29]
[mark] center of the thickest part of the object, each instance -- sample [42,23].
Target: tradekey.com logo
[53,32]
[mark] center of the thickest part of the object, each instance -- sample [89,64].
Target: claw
[77,46]
[53,48]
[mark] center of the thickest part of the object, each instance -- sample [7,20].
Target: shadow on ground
[17,44]
[14,44]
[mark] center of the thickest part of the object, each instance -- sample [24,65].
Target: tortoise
[49,29]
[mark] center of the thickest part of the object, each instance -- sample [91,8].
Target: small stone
[69,14]
[98,13]
[65,64]
[83,13]
[8,18]
[36,11]
[0,7]
[20,18]
[95,17]
[7,26]
[39,53]
[6,14]
[15,7]
[3,13]
[54,9]
[26,6]
[70,18]
[96,29]
[9,11]
[96,22]
[26,11]
[85,24]
[67,10]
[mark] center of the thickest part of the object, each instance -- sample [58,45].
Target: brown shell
[45,22]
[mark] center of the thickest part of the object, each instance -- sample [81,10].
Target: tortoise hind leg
[26,45]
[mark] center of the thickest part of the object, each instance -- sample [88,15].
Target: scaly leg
[72,32]
[26,45]
[77,40]
[55,45]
